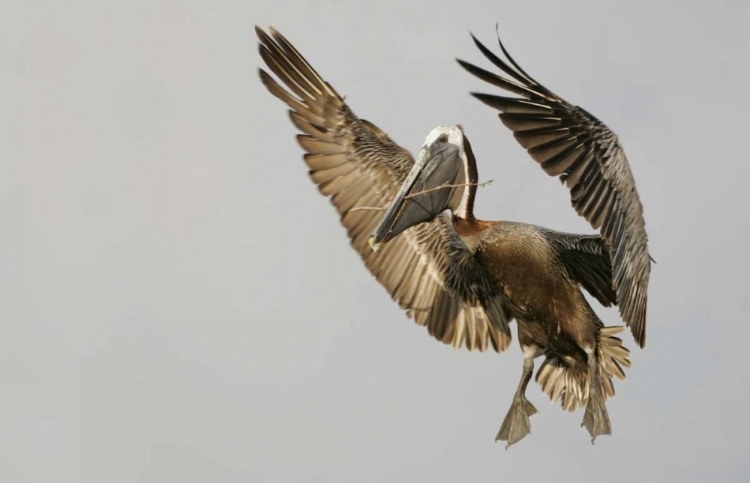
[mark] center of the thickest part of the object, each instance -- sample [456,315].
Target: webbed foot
[516,424]
[596,418]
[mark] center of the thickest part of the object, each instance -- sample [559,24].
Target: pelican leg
[516,424]
[596,418]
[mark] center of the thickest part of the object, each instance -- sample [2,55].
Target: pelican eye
[443,139]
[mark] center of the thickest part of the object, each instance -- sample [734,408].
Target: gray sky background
[179,303]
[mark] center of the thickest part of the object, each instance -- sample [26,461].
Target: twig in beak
[370,208]
[445,185]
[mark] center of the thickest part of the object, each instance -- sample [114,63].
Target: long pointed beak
[438,165]
[379,235]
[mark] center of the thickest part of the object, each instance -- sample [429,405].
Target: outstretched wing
[427,269]
[571,143]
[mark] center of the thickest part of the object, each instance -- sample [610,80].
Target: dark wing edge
[586,258]
[570,143]
[355,165]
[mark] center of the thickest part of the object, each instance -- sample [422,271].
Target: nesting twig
[370,208]
[412,195]
[446,185]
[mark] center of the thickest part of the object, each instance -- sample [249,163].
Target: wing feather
[569,142]
[586,257]
[356,165]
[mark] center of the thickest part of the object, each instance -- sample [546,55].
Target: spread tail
[569,380]
[612,356]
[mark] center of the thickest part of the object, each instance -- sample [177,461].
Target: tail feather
[612,354]
[559,379]
[569,381]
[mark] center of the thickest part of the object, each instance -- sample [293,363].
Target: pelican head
[437,182]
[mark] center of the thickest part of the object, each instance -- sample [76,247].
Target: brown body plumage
[538,281]
[467,279]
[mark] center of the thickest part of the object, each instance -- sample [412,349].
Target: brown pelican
[464,278]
